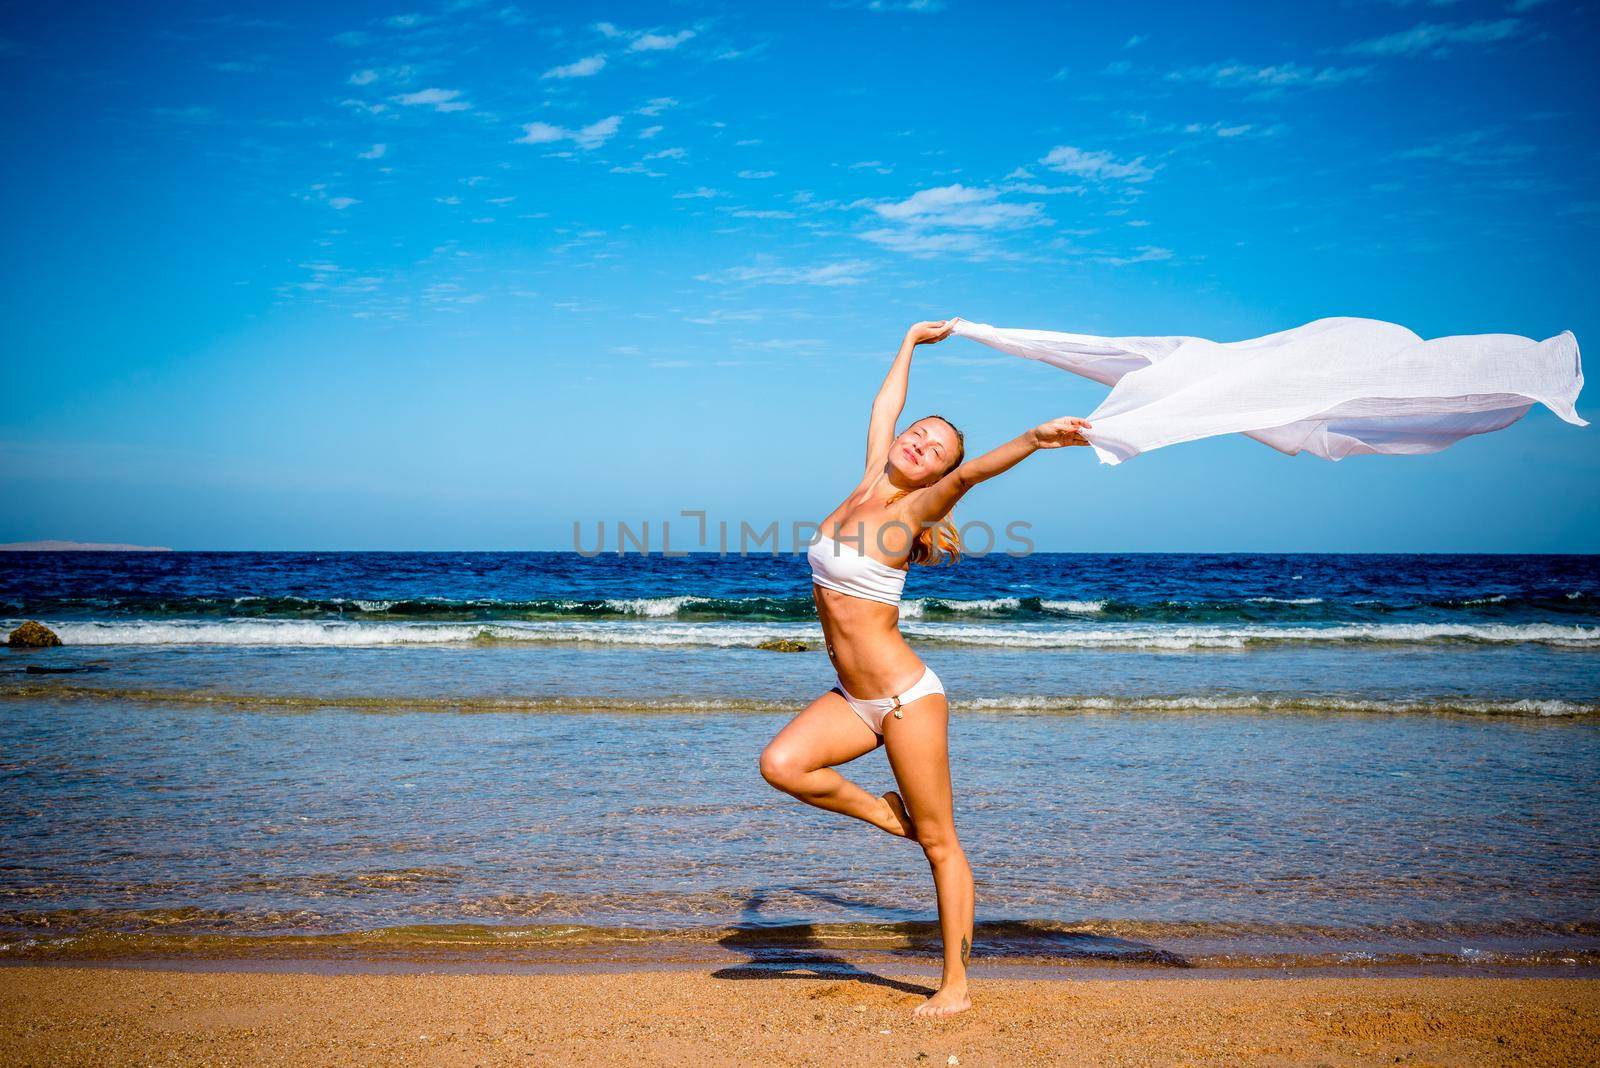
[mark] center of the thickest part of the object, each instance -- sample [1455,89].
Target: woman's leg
[800,760]
[919,753]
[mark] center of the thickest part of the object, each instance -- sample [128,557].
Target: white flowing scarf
[1334,387]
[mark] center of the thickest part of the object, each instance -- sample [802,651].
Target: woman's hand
[930,333]
[1058,433]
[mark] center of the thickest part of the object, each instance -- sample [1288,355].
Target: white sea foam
[1079,608]
[916,607]
[1254,703]
[653,607]
[1178,637]
[1284,600]
[654,632]
[353,635]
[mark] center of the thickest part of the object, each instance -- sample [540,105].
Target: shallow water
[1322,801]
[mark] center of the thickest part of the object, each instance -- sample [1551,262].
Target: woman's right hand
[1057,433]
[930,333]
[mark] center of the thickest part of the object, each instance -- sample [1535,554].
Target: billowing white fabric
[1334,387]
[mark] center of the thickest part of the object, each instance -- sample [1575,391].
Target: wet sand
[54,1015]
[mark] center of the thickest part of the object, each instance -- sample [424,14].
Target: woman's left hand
[1058,433]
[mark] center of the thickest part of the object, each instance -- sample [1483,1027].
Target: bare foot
[951,999]
[899,820]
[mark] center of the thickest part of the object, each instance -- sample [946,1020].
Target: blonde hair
[939,543]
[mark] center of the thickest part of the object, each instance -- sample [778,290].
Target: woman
[897,515]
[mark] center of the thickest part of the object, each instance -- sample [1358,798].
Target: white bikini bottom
[873,709]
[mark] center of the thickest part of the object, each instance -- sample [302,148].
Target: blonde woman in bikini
[898,514]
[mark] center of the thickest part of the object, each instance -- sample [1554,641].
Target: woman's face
[925,452]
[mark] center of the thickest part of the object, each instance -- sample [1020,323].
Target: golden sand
[102,1016]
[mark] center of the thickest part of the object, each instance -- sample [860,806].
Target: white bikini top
[841,567]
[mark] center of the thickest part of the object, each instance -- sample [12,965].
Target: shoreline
[1010,969]
[77,1015]
[1103,947]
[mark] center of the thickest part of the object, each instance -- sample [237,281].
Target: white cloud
[1100,166]
[658,42]
[642,40]
[649,132]
[538,133]
[1034,189]
[921,244]
[1135,41]
[375,152]
[591,136]
[757,174]
[657,105]
[598,133]
[1473,148]
[668,153]
[1143,254]
[1244,129]
[846,273]
[363,77]
[951,219]
[959,206]
[1435,38]
[918,7]
[697,194]
[583,68]
[438,99]
[341,203]
[1275,76]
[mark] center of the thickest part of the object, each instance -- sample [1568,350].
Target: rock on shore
[32,635]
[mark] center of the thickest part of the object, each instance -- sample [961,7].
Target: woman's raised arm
[933,503]
[891,398]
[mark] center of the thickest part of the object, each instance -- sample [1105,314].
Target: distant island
[78,547]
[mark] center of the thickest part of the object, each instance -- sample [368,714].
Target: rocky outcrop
[784,645]
[32,635]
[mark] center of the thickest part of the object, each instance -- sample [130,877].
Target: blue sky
[456,275]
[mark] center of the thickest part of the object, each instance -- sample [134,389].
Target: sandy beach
[111,1016]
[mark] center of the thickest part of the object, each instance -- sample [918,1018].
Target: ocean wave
[962,704]
[918,607]
[798,607]
[667,632]
[1515,707]
[1074,607]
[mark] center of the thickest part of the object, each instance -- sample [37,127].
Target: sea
[1229,764]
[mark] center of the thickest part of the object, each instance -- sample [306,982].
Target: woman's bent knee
[779,768]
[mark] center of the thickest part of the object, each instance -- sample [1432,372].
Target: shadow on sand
[799,951]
